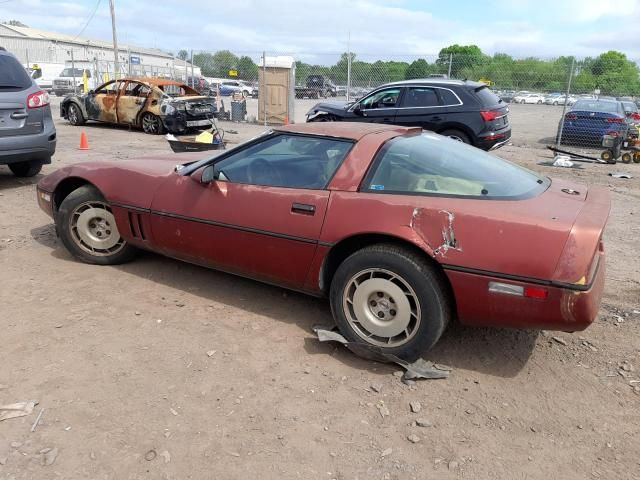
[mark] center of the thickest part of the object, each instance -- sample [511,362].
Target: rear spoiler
[578,262]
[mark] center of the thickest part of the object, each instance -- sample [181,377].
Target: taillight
[536,292]
[490,115]
[636,116]
[570,116]
[615,120]
[38,99]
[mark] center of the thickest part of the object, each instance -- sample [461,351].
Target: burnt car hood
[128,182]
[337,108]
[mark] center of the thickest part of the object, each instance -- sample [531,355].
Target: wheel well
[65,187]
[461,128]
[346,247]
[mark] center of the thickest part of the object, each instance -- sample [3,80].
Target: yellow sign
[487,82]
[85,81]
[233,73]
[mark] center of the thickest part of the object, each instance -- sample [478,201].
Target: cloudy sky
[379,28]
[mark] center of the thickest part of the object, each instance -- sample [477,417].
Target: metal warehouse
[33,46]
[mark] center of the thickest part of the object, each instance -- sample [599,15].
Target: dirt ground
[163,370]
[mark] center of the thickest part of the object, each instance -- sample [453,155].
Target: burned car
[153,104]
[402,230]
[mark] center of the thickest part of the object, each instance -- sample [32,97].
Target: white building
[31,46]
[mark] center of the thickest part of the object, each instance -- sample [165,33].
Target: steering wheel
[261,172]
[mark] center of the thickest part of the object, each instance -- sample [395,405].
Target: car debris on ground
[14,410]
[419,369]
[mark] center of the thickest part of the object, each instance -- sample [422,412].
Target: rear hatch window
[486,97]
[13,76]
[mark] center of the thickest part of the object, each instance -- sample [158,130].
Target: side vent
[136,226]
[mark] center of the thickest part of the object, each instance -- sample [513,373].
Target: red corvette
[402,230]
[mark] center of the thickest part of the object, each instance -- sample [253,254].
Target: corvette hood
[129,182]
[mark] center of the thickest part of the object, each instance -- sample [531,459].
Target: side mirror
[357,110]
[91,92]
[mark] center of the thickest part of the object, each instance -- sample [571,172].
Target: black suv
[463,110]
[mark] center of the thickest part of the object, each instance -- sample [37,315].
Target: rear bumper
[493,140]
[567,309]
[26,148]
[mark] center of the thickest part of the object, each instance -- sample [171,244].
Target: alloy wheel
[93,229]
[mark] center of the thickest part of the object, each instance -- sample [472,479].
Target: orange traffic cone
[84,141]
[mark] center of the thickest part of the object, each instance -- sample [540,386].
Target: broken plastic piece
[621,175]
[421,368]
[13,410]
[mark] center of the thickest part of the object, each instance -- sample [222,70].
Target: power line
[89,20]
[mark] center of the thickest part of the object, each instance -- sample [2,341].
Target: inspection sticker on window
[377,187]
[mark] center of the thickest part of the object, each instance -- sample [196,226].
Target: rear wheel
[391,298]
[151,124]
[539,102]
[88,229]
[456,135]
[25,169]
[636,157]
[607,156]
[74,115]
[522,101]
[626,157]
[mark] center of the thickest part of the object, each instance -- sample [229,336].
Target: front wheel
[25,169]
[539,102]
[88,229]
[388,297]
[74,114]
[151,124]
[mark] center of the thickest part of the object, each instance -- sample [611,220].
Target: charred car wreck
[153,104]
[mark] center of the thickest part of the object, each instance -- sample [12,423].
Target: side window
[110,88]
[431,165]
[448,98]
[383,99]
[290,161]
[135,89]
[420,97]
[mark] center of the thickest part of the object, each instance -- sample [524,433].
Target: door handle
[303,209]
[386,120]
[436,119]
[19,115]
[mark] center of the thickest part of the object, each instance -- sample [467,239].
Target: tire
[25,169]
[636,157]
[88,229]
[151,124]
[607,156]
[456,135]
[74,115]
[539,102]
[627,157]
[522,102]
[555,104]
[362,290]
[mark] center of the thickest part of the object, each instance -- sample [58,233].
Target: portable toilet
[276,90]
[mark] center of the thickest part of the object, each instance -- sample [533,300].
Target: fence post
[193,80]
[26,51]
[264,87]
[566,101]
[450,62]
[348,65]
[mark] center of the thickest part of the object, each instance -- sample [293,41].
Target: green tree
[247,69]
[417,69]
[183,54]
[223,61]
[15,23]
[460,57]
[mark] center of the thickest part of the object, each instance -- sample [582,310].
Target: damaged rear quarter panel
[487,235]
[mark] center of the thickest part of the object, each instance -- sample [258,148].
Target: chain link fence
[562,101]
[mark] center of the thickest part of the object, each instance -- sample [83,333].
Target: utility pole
[116,63]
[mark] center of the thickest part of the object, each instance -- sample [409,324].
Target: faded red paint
[553,239]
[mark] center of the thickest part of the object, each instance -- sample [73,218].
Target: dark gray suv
[27,133]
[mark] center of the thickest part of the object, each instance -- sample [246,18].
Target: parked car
[316,86]
[463,110]
[506,95]
[589,120]
[560,100]
[152,104]
[229,87]
[535,98]
[631,111]
[457,233]
[27,132]
[202,86]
